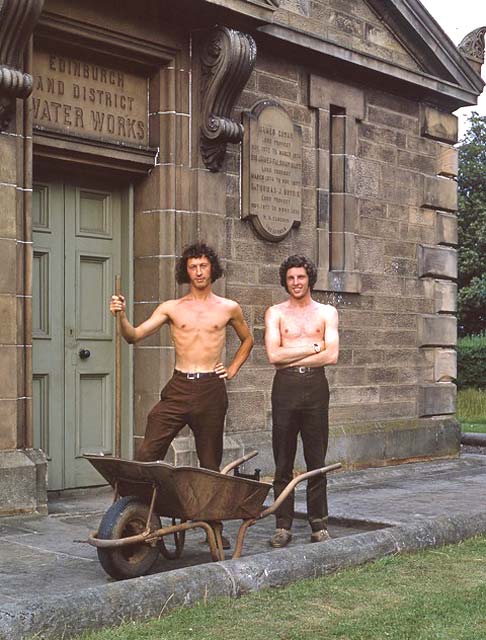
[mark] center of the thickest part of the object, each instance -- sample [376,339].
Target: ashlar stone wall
[393,395]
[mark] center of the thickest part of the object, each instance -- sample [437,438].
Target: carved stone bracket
[17,21]
[472,47]
[227,60]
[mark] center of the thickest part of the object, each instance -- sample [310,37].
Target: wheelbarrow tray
[187,493]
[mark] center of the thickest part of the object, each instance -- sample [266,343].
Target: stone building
[266,127]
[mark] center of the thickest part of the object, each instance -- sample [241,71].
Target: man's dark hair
[298,261]
[198,250]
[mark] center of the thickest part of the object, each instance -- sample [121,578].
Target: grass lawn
[471,409]
[433,595]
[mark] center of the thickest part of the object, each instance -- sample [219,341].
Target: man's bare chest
[197,319]
[301,325]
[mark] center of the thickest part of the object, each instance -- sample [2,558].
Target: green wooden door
[77,236]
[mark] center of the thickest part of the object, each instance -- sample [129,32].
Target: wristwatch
[317,347]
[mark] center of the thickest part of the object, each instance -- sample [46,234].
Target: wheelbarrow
[130,537]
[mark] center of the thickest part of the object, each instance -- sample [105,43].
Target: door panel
[85,256]
[47,326]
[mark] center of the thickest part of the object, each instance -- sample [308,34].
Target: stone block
[8,153]
[446,229]
[370,255]
[391,119]
[278,87]
[338,281]
[152,368]
[445,296]
[437,399]
[439,193]
[246,411]
[323,129]
[438,125]
[8,319]
[325,92]
[211,192]
[24,482]
[440,331]
[437,262]
[8,208]
[8,265]
[447,162]
[440,365]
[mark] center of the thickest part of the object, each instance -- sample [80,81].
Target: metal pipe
[474,439]
[236,463]
[293,483]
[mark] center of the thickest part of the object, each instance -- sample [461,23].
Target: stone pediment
[396,39]
[355,25]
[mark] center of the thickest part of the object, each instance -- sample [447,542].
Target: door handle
[84,354]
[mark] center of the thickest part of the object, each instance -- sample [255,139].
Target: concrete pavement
[53,585]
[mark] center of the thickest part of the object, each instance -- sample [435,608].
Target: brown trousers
[201,404]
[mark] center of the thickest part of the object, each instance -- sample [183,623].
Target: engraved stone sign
[271,170]
[89,100]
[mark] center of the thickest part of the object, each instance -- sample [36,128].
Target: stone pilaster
[437,266]
[23,470]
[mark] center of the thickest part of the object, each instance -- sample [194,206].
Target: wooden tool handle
[118,374]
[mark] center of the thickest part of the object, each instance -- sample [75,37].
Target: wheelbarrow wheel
[127,517]
[179,540]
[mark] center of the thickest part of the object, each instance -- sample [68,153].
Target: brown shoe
[320,536]
[280,538]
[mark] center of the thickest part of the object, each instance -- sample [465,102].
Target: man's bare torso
[198,329]
[301,325]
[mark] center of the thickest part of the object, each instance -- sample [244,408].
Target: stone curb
[68,614]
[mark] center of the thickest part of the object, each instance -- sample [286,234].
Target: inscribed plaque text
[271,171]
[89,100]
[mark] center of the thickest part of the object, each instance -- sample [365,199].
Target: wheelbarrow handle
[293,483]
[236,463]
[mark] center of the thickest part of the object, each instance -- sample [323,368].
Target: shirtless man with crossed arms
[196,393]
[301,337]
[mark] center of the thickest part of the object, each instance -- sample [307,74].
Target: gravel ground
[465,448]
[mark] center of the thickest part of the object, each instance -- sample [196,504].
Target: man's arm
[238,322]
[330,353]
[276,353]
[135,334]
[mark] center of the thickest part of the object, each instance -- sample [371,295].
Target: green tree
[472,228]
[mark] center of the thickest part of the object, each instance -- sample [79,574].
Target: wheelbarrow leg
[217,529]
[245,525]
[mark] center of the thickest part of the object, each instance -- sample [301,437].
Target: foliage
[438,593]
[471,362]
[472,228]
[471,410]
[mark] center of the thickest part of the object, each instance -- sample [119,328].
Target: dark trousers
[199,403]
[300,404]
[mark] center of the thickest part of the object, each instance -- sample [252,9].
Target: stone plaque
[271,170]
[88,100]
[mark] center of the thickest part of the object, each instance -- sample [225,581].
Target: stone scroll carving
[227,60]
[17,21]
[472,46]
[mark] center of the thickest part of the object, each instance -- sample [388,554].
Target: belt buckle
[191,376]
[302,369]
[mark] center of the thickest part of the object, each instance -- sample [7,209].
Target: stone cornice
[17,21]
[446,76]
[261,10]
[363,68]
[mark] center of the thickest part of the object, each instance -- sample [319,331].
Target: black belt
[197,375]
[301,369]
